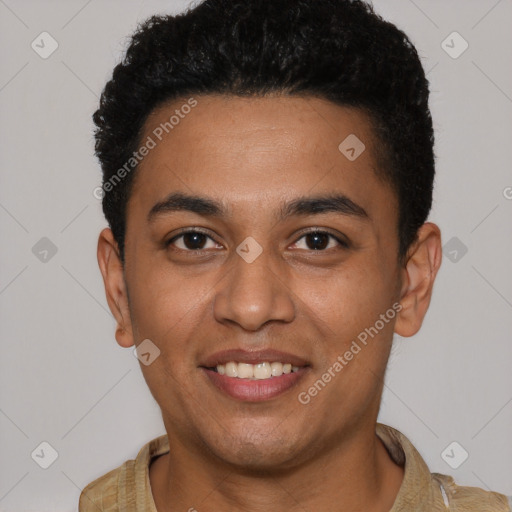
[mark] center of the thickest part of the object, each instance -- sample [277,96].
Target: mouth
[254,376]
[259,371]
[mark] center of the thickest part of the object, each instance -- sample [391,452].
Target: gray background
[64,379]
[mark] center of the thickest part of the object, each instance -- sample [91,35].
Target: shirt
[127,488]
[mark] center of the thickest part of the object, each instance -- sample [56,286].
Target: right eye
[191,240]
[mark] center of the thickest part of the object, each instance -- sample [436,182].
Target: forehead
[251,151]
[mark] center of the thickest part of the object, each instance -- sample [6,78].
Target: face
[249,231]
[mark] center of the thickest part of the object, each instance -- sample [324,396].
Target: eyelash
[343,244]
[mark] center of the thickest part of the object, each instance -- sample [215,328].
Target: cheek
[168,310]
[355,340]
[166,301]
[349,301]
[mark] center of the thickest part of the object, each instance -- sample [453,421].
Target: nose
[252,294]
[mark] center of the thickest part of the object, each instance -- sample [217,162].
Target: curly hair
[338,50]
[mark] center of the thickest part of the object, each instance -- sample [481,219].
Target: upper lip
[252,357]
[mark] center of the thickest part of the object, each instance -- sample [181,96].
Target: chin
[257,451]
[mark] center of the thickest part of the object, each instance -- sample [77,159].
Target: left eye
[319,241]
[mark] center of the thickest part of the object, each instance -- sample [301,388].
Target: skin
[253,154]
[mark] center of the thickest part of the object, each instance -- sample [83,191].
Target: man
[268,171]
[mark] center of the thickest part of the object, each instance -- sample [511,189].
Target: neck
[355,474]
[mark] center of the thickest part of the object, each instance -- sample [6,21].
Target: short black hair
[338,50]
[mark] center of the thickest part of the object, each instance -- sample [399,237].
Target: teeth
[276,369]
[245,371]
[231,369]
[262,370]
[257,371]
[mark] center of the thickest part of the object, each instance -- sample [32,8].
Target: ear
[115,287]
[422,263]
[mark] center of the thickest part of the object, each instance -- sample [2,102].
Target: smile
[254,382]
[258,371]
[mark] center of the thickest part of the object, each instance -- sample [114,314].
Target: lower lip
[255,390]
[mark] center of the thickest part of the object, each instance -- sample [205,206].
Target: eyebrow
[337,203]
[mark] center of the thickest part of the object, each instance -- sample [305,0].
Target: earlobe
[423,262]
[112,271]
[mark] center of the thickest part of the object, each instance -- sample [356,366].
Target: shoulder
[103,493]
[470,499]
[122,488]
[423,490]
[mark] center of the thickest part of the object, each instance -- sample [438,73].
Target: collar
[419,491]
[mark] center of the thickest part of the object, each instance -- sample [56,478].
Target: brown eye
[191,241]
[321,240]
